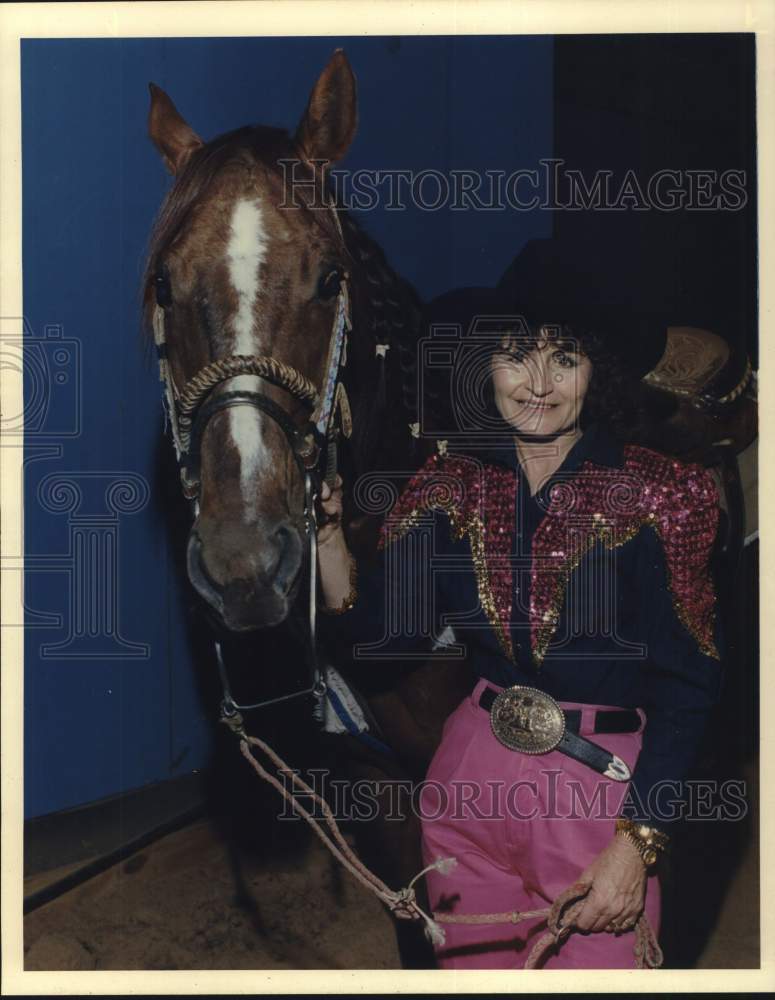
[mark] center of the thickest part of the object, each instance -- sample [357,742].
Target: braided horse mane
[386,308]
[388,312]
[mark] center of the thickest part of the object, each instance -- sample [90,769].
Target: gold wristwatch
[648,841]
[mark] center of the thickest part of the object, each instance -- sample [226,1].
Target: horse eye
[329,284]
[161,283]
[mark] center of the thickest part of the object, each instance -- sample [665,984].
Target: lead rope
[560,920]
[403,902]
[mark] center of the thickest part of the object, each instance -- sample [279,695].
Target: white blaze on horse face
[245,428]
[246,252]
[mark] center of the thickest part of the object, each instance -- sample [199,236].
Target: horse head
[244,265]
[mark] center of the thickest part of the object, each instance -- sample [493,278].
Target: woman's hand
[331,505]
[336,565]
[616,898]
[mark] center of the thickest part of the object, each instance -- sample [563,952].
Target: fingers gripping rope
[560,923]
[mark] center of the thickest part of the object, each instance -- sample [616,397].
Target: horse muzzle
[249,582]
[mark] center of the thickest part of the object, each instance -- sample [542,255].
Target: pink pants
[522,828]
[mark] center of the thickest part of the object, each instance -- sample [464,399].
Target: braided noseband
[191,408]
[275,371]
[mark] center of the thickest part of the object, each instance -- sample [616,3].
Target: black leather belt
[531,721]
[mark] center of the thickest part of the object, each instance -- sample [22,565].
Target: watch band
[648,855]
[649,842]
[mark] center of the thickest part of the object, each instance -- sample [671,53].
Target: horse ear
[169,132]
[329,123]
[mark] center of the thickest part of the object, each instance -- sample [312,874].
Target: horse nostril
[197,572]
[288,546]
[254,570]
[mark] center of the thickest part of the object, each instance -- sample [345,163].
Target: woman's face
[542,391]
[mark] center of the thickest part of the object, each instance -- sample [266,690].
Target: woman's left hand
[616,897]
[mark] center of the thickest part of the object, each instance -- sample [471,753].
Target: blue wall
[111,702]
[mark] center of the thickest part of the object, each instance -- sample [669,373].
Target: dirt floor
[174,906]
[734,941]
[177,905]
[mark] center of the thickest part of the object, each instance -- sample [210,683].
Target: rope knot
[404,904]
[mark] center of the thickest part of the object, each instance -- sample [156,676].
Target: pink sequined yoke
[480,501]
[611,505]
[678,500]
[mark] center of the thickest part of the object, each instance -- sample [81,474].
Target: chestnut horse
[244,288]
[254,279]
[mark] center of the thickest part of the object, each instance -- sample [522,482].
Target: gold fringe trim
[459,527]
[545,632]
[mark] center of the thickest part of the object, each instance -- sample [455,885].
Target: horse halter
[190,408]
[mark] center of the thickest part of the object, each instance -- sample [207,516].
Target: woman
[574,570]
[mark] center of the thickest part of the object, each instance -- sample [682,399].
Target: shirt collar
[596,445]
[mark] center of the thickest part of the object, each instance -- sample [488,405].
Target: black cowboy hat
[466,307]
[461,326]
[637,339]
[554,287]
[685,347]
[544,285]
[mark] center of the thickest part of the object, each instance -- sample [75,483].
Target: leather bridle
[190,409]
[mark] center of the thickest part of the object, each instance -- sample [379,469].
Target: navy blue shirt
[618,640]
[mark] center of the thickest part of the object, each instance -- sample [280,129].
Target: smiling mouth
[529,405]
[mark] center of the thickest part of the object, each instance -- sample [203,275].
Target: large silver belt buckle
[526,719]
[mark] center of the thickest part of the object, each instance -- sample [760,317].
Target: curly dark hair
[616,397]
[614,394]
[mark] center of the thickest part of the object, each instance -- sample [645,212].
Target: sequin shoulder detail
[479,501]
[681,501]
[678,500]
